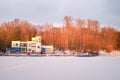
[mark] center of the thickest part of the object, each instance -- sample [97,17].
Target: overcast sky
[107,12]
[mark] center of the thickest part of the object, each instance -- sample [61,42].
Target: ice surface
[60,68]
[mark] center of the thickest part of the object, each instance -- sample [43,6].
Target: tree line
[74,34]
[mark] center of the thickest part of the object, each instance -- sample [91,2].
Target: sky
[107,12]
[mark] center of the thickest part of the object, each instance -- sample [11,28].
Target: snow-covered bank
[60,68]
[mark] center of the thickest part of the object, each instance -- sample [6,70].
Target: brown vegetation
[73,35]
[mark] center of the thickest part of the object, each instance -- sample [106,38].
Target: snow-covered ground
[60,68]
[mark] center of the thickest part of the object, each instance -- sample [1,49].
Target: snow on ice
[60,68]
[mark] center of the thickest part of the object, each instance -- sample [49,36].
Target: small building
[15,46]
[48,49]
[27,46]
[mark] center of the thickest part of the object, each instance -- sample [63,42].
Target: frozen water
[60,68]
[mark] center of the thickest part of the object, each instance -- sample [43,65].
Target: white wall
[38,47]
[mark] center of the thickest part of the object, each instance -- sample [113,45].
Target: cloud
[53,11]
[111,13]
